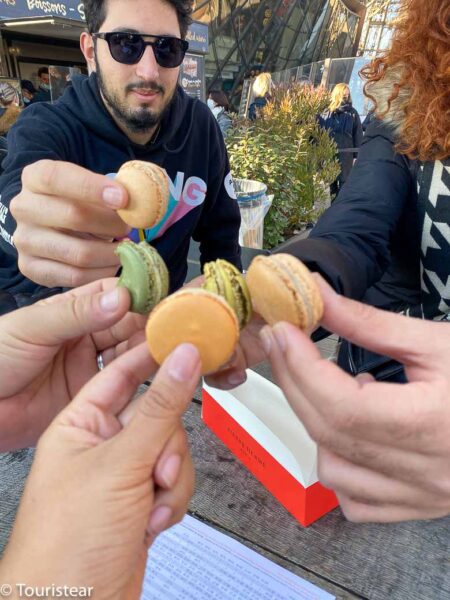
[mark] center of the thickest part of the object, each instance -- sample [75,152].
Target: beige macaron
[198,317]
[283,289]
[148,193]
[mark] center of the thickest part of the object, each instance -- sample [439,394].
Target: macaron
[144,274]
[198,317]
[148,193]
[283,289]
[223,278]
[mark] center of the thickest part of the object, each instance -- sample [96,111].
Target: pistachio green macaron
[224,279]
[144,274]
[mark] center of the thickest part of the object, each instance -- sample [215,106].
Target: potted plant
[286,149]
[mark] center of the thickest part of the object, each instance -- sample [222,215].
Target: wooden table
[406,561]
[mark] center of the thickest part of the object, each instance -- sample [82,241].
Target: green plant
[287,150]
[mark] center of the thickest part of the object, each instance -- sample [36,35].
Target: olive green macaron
[224,279]
[144,274]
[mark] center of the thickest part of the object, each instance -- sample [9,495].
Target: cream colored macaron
[282,289]
[148,193]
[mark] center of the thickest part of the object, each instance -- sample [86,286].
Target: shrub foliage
[287,150]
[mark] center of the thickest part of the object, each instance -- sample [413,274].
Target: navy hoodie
[79,129]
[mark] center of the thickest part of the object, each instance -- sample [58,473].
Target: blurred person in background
[261,89]
[9,109]
[43,93]
[28,91]
[343,124]
[219,105]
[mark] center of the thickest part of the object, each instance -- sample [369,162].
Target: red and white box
[258,425]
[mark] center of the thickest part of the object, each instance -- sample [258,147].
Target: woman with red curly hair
[386,239]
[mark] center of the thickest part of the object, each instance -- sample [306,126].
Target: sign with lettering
[197,36]
[15,9]
[192,76]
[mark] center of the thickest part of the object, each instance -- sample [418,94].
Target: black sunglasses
[129,48]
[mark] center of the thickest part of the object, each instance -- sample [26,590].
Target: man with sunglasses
[58,220]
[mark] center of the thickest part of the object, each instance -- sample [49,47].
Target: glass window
[373,37]
[386,38]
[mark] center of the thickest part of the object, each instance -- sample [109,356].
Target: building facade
[252,35]
[379,26]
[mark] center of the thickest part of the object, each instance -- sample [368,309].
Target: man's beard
[137,120]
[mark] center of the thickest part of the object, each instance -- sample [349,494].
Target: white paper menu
[193,561]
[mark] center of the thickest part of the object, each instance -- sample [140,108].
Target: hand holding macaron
[282,289]
[67,240]
[211,317]
[66,217]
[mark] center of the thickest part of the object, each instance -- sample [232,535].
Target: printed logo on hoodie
[184,197]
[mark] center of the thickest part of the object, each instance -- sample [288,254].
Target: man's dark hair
[95,11]
[26,84]
[42,70]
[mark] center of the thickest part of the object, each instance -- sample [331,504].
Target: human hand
[103,486]
[48,351]
[196,282]
[66,222]
[249,352]
[383,447]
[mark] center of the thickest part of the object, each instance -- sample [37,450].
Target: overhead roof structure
[274,35]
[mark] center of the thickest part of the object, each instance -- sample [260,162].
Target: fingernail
[266,339]
[236,379]
[182,363]
[280,337]
[113,197]
[109,301]
[170,470]
[159,519]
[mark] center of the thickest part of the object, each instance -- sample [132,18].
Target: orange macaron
[198,317]
[282,289]
[147,185]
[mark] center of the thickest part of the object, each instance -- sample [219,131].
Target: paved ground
[14,467]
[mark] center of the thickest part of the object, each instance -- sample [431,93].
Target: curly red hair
[421,49]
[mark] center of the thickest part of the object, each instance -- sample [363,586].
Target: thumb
[72,316]
[160,408]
